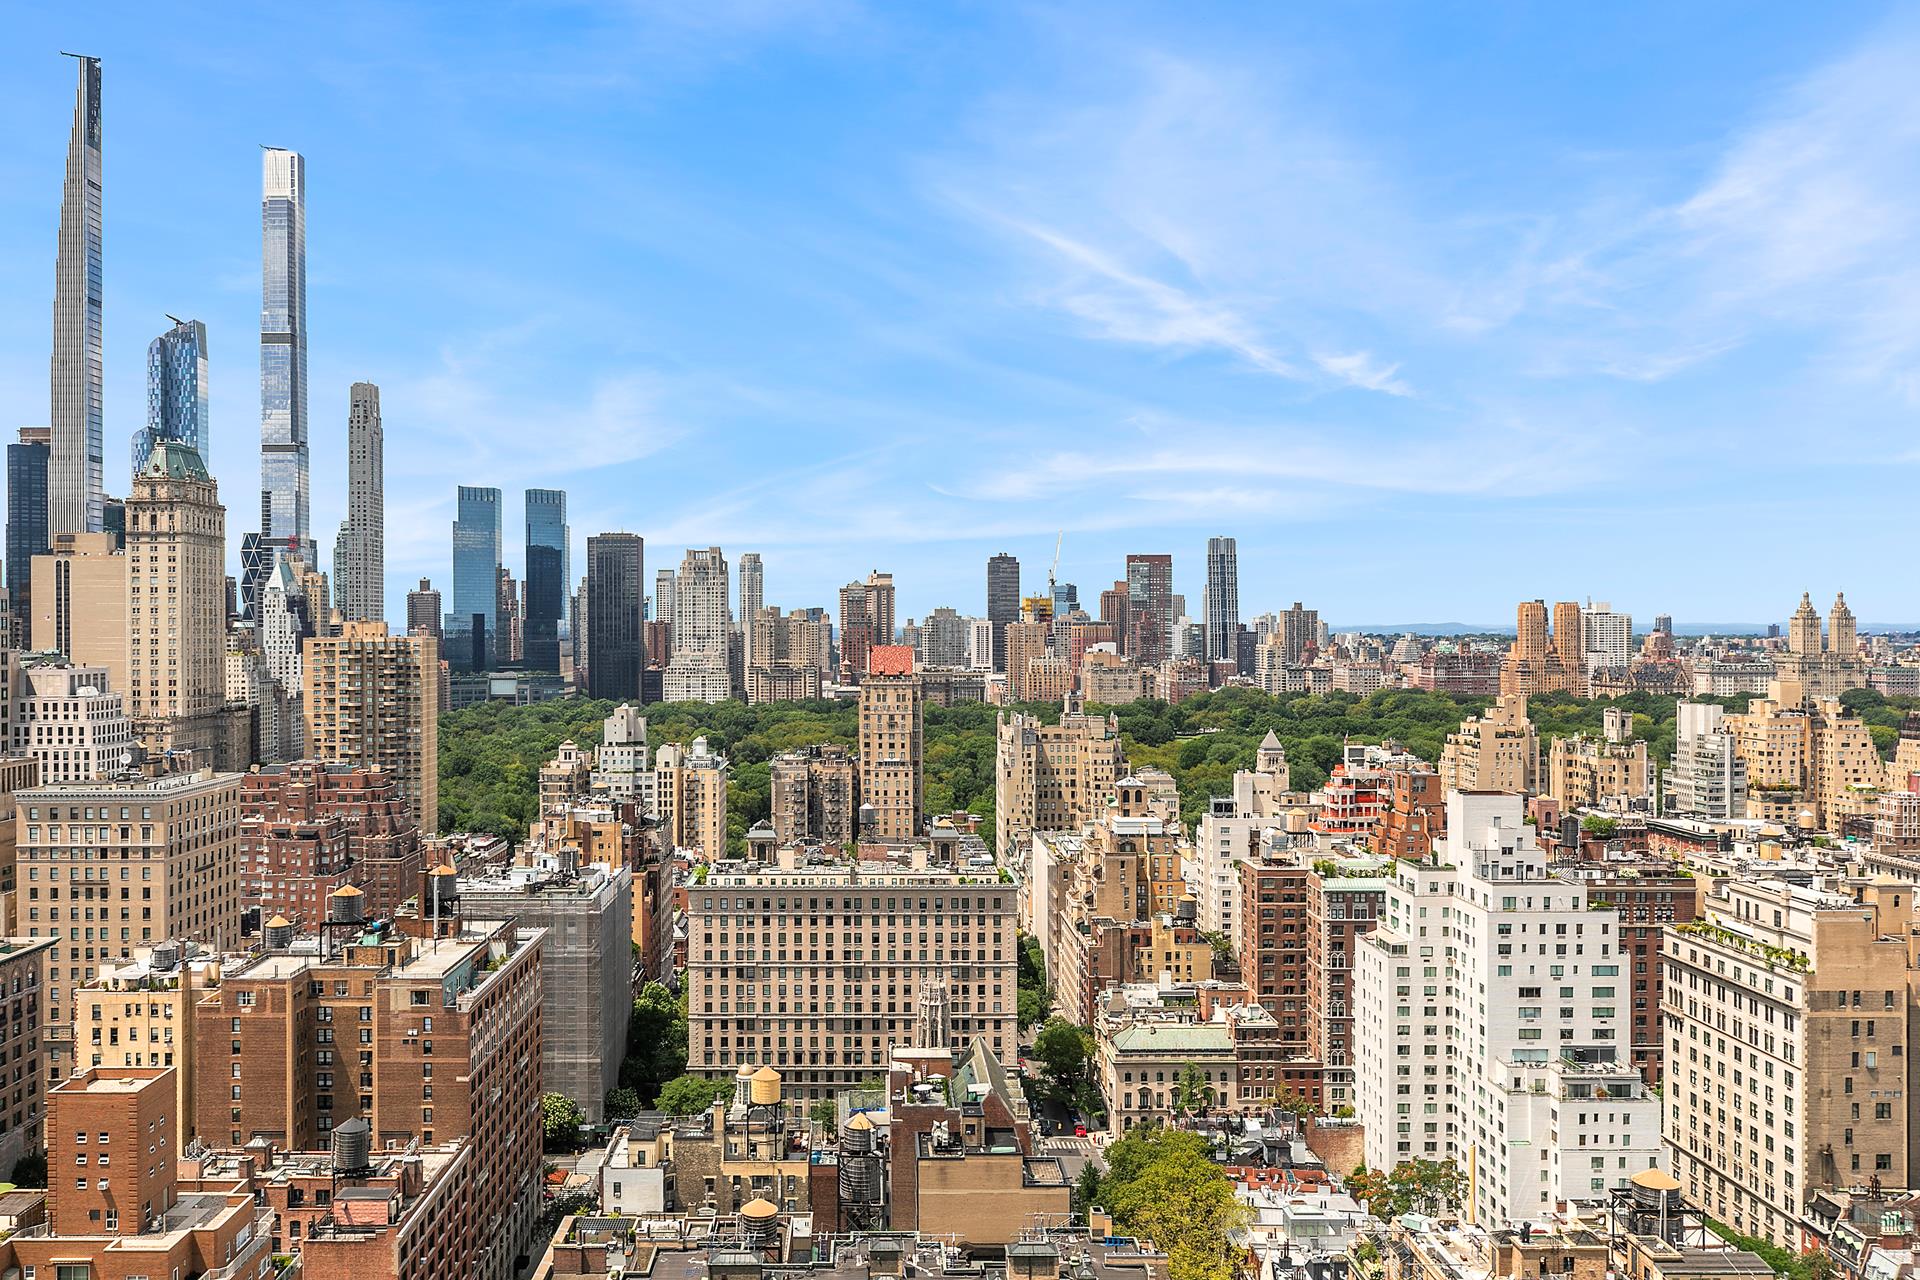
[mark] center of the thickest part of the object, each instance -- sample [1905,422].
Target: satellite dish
[126,759]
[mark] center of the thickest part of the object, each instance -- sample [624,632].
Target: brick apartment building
[308,828]
[434,1038]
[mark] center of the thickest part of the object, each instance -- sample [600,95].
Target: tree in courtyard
[690,1095]
[560,1121]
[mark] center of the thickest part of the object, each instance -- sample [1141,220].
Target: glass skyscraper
[76,492]
[472,625]
[26,520]
[546,589]
[284,521]
[176,391]
[1223,599]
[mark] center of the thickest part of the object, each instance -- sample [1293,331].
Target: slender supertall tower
[283,354]
[76,502]
[360,553]
[752,598]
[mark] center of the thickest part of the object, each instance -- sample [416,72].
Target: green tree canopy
[690,1095]
[560,1121]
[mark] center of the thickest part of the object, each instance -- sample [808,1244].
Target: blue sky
[1433,306]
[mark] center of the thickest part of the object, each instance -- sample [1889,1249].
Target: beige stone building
[1823,666]
[1495,751]
[1026,642]
[23,1046]
[818,968]
[1589,772]
[177,613]
[105,867]
[891,743]
[1786,1011]
[1542,660]
[79,598]
[815,795]
[1051,777]
[1809,762]
[690,798]
[1108,678]
[372,698]
[70,719]
[140,1014]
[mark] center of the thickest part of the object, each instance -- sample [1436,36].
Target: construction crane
[1055,566]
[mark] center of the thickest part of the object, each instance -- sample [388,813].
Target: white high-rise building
[1606,637]
[1708,777]
[66,717]
[1227,832]
[623,766]
[1490,1024]
[980,644]
[702,629]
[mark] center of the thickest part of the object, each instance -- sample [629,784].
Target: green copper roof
[175,460]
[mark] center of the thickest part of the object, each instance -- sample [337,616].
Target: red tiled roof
[890,660]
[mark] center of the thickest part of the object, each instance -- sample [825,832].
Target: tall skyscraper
[752,598]
[1223,599]
[699,670]
[176,391]
[27,463]
[616,583]
[546,578]
[880,606]
[473,625]
[1150,606]
[891,744]
[283,354]
[75,492]
[176,608]
[1003,602]
[360,553]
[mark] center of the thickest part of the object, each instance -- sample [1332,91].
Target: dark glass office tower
[26,520]
[1003,602]
[546,589]
[616,594]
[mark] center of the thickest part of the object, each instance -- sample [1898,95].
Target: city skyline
[1316,415]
